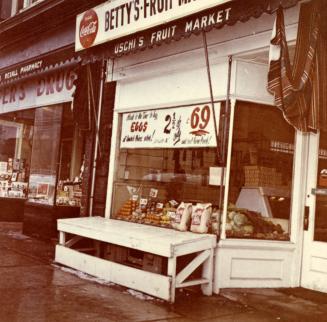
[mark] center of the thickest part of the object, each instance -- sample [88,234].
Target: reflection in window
[46,140]
[9,140]
[69,187]
[261,174]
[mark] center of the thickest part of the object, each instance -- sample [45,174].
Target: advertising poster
[191,126]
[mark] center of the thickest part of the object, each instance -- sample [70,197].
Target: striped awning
[300,89]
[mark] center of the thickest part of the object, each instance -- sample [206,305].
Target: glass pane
[320,233]
[167,171]
[20,5]
[261,174]
[46,140]
[9,139]
[16,133]
[166,177]
[69,187]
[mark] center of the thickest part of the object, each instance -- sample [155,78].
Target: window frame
[26,5]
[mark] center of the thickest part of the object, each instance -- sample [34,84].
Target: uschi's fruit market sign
[191,126]
[115,19]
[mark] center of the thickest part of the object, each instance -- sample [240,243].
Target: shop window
[166,162]
[15,6]
[45,150]
[28,3]
[5,9]
[16,133]
[70,162]
[261,174]
[39,149]
[57,155]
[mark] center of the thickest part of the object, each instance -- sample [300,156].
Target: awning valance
[227,13]
[300,89]
[39,65]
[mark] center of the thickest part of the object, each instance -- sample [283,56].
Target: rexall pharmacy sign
[118,18]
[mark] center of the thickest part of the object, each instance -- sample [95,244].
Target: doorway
[314,267]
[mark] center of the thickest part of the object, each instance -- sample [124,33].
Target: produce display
[243,223]
[183,216]
[147,211]
[201,218]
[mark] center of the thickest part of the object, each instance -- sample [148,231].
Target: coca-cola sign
[88,28]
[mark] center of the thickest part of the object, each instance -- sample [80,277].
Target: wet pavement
[33,288]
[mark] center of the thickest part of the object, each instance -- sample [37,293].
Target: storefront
[198,146]
[41,147]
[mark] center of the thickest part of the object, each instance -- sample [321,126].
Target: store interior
[261,173]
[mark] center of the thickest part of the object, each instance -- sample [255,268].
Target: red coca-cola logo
[88,28]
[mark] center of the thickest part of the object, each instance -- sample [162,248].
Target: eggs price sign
[191,126]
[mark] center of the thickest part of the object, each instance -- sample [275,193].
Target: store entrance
[314,268]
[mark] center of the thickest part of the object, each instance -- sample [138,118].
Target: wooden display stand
[154,240]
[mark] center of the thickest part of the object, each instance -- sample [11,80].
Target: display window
[45,151]
[41,156]
[261,174]
[55,177]
[165,168]
[70,171]
[16,133]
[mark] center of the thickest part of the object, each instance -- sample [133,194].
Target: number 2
[167,119]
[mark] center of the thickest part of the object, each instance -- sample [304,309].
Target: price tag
[171,214]
[159,205]
[153,193]
[143,201]
[174,203]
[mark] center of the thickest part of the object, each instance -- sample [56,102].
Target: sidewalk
[33,288]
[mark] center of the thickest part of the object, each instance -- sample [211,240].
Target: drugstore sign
[51,88]
[191,126]
[115,19]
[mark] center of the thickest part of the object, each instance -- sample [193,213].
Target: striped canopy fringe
[300,89]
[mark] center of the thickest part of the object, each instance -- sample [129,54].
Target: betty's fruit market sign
[115,19]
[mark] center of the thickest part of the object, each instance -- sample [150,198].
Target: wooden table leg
[207,273]
[172,274]
[97,247]
[62,238]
